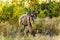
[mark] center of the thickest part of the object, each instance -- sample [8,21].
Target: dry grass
[7,31]
[30,37]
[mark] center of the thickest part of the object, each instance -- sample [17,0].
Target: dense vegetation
[12,12]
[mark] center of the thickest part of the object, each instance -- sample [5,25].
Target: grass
[30,37]
[8,31]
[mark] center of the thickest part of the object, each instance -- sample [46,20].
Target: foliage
[16,8]
[51,9]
